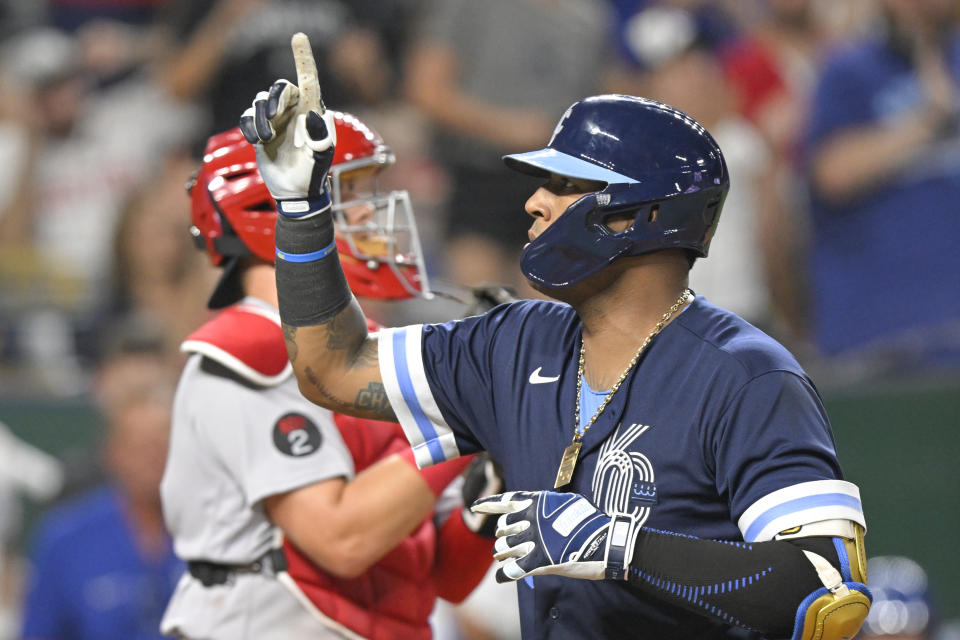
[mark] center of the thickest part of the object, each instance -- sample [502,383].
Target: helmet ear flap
[628,218]
[617,210]
[665,176]
[681,220]
[577,245]
[604,226]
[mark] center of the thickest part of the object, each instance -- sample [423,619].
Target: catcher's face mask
[376,234]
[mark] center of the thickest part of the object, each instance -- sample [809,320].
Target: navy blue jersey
[716,433]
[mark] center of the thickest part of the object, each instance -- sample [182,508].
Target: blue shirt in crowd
[88,579]
[884,265]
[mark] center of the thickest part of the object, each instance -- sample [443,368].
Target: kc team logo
[296,435]
[623,481]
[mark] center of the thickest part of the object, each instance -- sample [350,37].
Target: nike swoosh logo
[536,378]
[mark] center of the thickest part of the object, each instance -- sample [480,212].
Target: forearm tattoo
[341,331]
[290,339]
[368,356]
[342,334]
[374,398]
[315,382]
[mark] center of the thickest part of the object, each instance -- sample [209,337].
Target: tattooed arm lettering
[337,365]
[373,401]
[290,339]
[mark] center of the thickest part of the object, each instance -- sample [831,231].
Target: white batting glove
[544,532]
[294,151]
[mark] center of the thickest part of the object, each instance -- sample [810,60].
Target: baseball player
[679,472]
[296,522]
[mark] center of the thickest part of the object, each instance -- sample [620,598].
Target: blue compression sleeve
[756,586]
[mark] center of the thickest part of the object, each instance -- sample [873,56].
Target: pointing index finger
[307,79]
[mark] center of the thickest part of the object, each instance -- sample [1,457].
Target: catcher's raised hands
[294,137]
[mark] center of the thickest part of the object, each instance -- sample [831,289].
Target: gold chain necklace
[569,460]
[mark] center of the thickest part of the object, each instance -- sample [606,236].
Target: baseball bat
[307,80]
[308,85]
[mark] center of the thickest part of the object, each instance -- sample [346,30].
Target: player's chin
[548,291]
[576,294]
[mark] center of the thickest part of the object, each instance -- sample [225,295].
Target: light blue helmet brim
[544,161]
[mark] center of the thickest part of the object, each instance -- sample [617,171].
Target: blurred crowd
[840,123]
[838,120]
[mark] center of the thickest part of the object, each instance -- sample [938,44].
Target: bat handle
[308,81]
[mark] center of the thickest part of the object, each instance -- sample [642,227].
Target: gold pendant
[569,461]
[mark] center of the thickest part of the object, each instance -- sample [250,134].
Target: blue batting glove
[544,532]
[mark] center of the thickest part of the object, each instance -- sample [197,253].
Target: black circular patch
[294,434]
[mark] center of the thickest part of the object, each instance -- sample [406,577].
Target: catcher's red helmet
[234,216]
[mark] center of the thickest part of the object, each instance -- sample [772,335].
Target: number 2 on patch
[299,442]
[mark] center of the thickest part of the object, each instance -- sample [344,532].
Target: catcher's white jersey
[233,443]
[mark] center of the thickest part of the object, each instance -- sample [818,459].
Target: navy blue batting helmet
[659,165]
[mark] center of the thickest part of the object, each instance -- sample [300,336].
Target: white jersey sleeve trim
[405,381]
[827,528]
[235,364]
[799,505]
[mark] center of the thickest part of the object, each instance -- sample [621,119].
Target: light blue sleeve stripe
[800,504]
[430,437]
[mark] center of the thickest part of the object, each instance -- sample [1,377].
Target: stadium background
[93,241]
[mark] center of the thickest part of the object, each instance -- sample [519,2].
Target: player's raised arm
[333,356]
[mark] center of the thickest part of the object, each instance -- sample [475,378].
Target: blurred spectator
[159,275]
[43,94]
[903,606]
[76,153]
[224,51]
[492,77]
[26,472]
[70,15]
[772,70]
[102,565]
[717,21]
[681,68]
[884,163]
[16,15]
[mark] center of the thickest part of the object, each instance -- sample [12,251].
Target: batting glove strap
[623,530]
[302,208]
